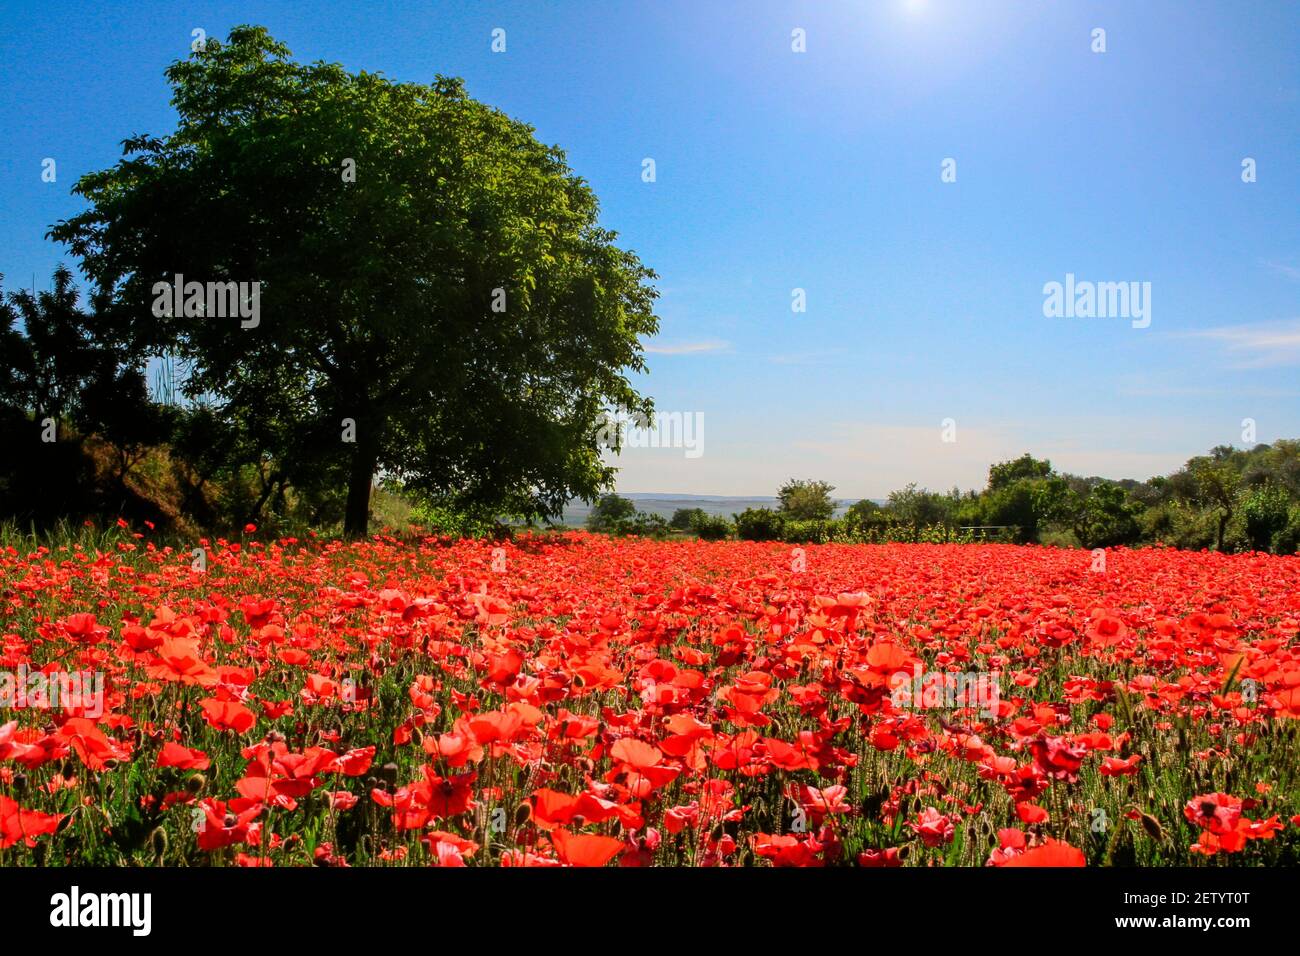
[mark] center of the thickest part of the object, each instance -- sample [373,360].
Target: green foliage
[710,527]
[759,524]
[863,510]
[806,500]
[457,299]
[1287,541]
[1026,466]
[644,524]
[809,530]
[443,518]
[918,506]
[1106,518]
[684,519]
[608,511]
[1265,512]
[1015,505]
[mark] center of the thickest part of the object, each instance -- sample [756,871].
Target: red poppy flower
[26,825]
[1051,853]
[174,755]
[227,715]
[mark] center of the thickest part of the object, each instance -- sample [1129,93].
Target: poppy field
[579,700]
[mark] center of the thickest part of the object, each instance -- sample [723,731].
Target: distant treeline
[1229,500]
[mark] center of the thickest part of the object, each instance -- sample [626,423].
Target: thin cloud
[1258,345]
[1291,272]
[687,348]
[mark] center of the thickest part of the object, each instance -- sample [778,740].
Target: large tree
[437,299]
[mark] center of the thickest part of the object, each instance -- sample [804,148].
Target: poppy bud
[20,782]
[522,814]
[158,840]
[1152,826]
[196,784]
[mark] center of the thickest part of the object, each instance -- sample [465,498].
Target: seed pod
[158,840]
[1152,827]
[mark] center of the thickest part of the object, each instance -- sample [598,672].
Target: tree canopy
[435,296]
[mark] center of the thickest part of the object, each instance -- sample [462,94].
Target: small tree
[805,500]
[918,506]
[1007,473]
[1216,484]
[710,527]
[759,524]
[684,519]
[609,511]
[1106,517]
[863,511]
[1265,510]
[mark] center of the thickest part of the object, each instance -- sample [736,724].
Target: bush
[609,511]
[1265,514]
[810,531]
[641,523]
[684,519]
[759,524]
[710,527]
[440,519]
[1107,518]
[806,500]
[1287,540]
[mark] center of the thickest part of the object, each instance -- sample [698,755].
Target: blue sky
[820,170]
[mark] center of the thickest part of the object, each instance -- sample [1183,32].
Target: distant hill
[575,512]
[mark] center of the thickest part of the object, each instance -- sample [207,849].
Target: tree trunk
[356,517]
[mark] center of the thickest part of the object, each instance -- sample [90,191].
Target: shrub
[440,519]
[684,519]
[1287,540]
[1107,518]
[710,527]
[809,531]
[759,524]
[641,523]
[806,500]
[609,511]
[1265,513]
